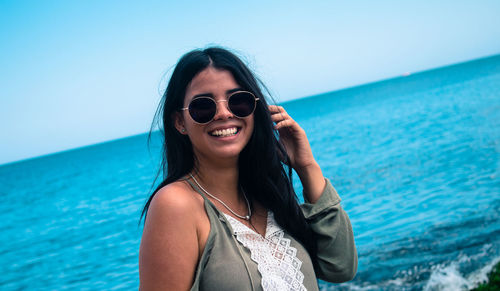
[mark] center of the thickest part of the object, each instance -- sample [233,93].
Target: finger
[281,118]
[278,113]
[288,123]
[276,109]
[276,117]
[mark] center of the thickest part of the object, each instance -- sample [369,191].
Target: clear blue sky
[74,73]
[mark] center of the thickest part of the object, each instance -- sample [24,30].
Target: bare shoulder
[175,210]
[177,198]
[171,234]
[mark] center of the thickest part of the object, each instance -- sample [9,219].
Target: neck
[219,179]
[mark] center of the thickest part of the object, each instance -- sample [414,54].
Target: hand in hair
[297,146]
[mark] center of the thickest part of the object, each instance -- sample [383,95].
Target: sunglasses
[203,109]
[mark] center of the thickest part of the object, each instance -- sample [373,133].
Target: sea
[416,160]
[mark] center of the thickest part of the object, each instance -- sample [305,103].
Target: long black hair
[262,163]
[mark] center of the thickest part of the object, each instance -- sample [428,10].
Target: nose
[222,111]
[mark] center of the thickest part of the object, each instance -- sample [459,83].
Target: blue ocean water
[415,159]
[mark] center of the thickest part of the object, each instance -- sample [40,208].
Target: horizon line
[403,75]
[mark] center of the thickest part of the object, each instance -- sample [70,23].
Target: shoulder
[174,207]
[171,234]
[177,211]
[175,199]
[176,215]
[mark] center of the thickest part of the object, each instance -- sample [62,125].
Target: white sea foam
[448,277]
[481,275]
[443,277]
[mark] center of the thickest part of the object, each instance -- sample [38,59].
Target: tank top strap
[212,210]
[196,188]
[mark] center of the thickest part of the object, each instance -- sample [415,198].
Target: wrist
[308,169]
[312,181]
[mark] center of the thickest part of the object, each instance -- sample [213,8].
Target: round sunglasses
[203,109]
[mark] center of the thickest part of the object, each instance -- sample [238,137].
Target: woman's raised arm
[337,259]
[295,141]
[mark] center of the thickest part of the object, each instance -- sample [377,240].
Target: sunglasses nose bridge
[225,111]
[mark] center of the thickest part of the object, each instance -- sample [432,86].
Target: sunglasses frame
[225,100]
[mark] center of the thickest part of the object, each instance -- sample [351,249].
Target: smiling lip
[225,132]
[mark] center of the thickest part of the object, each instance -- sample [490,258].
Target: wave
[463,273]
[449,277]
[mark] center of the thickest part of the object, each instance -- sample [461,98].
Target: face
[226,135]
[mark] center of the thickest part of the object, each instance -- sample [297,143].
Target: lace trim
[276,260]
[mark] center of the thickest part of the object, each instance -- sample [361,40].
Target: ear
[179,122]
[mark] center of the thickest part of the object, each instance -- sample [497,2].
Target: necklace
[245,217]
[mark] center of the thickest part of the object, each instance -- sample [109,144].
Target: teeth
[224,132]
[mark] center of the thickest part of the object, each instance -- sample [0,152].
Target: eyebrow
[228,92]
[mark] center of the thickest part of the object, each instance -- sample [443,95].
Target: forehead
[211,81]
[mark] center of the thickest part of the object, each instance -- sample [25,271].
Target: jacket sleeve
[337,259]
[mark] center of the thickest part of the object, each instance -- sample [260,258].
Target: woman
[226,216]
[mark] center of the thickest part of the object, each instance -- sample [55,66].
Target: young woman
[226,216]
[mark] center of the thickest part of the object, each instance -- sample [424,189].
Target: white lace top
[276,259]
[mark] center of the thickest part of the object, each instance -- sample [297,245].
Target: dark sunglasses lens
[242,104]
[202,110]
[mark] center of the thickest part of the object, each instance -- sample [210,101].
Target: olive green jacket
[226,264]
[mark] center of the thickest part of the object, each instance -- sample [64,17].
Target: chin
[220,153]
[227,154]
